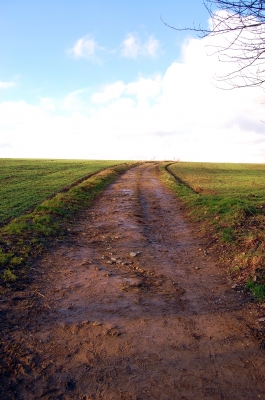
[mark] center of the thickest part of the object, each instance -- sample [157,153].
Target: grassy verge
[27,182]
[26,237]
[229,202]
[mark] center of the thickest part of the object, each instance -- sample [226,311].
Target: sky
[109,80]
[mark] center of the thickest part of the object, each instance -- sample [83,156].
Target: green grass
[27,182]
[229,201]
[26,236]
[222,191]
[258,291]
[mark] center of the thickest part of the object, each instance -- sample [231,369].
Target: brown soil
[130,306]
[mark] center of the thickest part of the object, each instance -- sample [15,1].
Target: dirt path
[130,308]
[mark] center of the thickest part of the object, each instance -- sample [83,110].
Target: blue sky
[107,79]
[35,37]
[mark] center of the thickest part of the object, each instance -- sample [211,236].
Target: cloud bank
[178,114]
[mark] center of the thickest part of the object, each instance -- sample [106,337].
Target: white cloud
[47,104]
[6,85]
[151,47]
[85,47]
[3,145]
[133,47]
[74,101]
[109,93]
[179,114]
[142,89]
[145,88]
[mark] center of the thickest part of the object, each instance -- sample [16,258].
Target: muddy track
[130,307]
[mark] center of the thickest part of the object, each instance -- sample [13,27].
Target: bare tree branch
[242,24]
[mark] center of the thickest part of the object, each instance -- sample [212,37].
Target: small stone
[85,262]
[113,332]
[97,323]
[85,322]
[134,254]
[113,259]
[261,319]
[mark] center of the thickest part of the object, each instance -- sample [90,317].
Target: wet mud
[130,307]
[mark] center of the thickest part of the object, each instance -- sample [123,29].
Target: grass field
[26,236]
[230,199]
[25,183]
